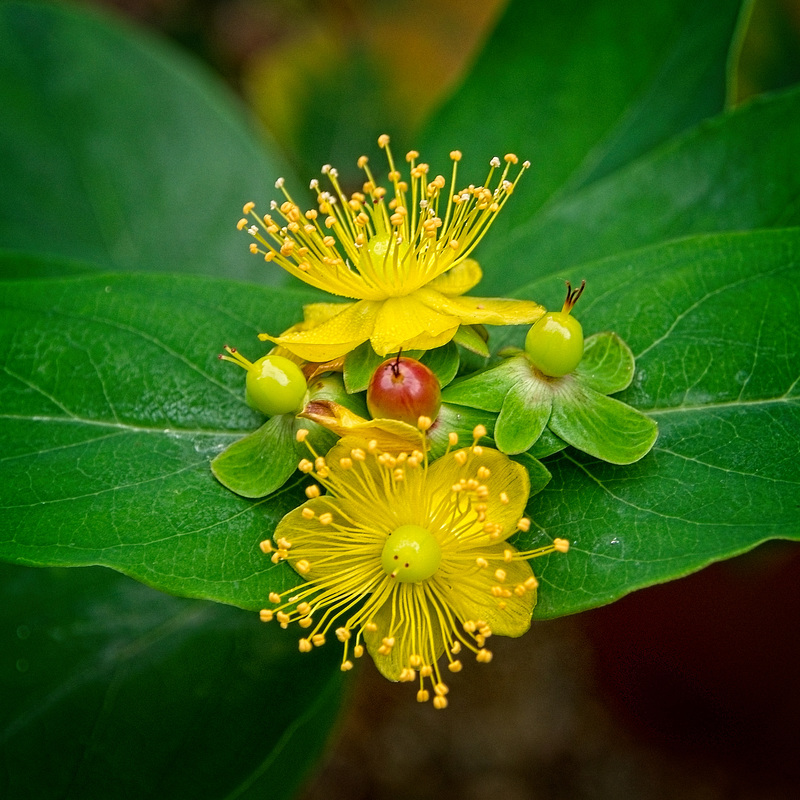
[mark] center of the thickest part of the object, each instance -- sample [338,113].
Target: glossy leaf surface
[134,155]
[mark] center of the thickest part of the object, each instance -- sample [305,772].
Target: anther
[301,434]
[304,646]
[358,650]
[424,423]
[423,696]
[312,491]
[452,438]
[305,466]
[561,545]
[524,524]
[318,640]
[326,518]
[303,566]
[307,513]
[460,457]
[439,702]
[484,656]
[266,615]
[274,597]
[479,431]
[455,666]
[346,666]
[266,546]
[342,634]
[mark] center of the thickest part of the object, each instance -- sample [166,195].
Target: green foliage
[97,668]
[122,163]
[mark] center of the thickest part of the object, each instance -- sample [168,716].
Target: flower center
[411,554]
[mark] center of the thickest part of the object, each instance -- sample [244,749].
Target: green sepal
[524,415]
[442,361]
[546,445]
[332,388]
[487,390]
[469,337]
[361,363]
[537,472]
[607,365]
[460,420]
[599,425]
[262,461]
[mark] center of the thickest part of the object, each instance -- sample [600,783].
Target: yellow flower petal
[391,435]
[458,280]
[482,310]
[316,313]
[423,637]
[505,480]
[406,323]
[333,338]
[472,602]
[323,546]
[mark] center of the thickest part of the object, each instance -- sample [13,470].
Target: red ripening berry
[404,389]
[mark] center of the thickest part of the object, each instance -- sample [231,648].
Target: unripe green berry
[275,385]
[411,554]
[554,343]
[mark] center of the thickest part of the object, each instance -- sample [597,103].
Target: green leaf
[134,693]
[717,341]
[600,425]
[582,87]
[739,171]
[113,405]
[133,156]
[607,365]
[260,463]
[524,415]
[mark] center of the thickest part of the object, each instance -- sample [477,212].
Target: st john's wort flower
[402,255]
[409,558]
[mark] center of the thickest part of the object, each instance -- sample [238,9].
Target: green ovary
[275,385]
[411,554]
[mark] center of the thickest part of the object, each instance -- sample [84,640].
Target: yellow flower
[404,259]
[409,557]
